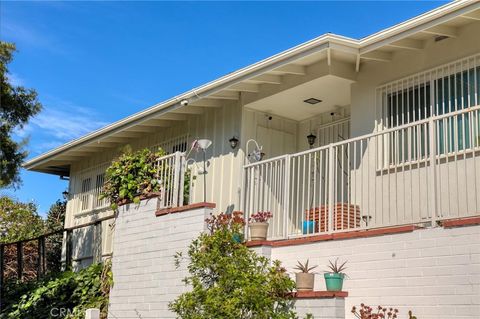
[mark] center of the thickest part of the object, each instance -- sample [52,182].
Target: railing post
[40,258]
[286,197]
[331,188]
[183,171]
[176,180]
[68,249]
[2,255]
[19,260]
[433,179]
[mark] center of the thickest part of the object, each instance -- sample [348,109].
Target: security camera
[184,102]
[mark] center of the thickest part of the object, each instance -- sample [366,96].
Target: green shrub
[131,175]
[230,281]
[69,292]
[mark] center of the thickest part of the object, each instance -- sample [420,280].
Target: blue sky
[93,63]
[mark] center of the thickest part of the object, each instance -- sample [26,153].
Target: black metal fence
[30,260]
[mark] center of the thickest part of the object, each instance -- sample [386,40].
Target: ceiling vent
[312,100]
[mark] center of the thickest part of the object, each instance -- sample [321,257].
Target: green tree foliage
[230,281]
[17,106]
[56,216]
[54,222]
[19,221]
[73,291]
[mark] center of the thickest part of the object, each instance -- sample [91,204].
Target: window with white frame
[448,89]
[176,144]
[85,187]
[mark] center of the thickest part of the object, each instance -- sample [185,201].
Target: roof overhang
[270,71]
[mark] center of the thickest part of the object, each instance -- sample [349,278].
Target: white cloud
[16,32]
[66,124]
[59,122]
[15,80]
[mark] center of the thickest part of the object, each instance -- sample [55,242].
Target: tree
[17,106]
[229,280]
[55,222]
[19,221]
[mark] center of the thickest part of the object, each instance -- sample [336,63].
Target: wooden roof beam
[442,30]
[196,110]
[243,87]
[173,117]
[377,56]
[266,78]
[142,128]
[208,103]
[158,123]
[226,95]
[472,15]
[409,44]
[290,69]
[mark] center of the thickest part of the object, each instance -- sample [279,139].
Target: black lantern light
[233,142]
[311,139]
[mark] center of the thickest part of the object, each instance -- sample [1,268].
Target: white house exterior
[396,152]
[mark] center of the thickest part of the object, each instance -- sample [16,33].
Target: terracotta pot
[304,281]
[258,231]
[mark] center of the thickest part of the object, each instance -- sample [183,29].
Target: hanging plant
[132,175]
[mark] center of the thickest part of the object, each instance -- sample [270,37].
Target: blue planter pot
[238,238]
[334,281]
[308,227]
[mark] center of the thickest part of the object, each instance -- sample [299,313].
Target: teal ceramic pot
[238,238]
[334,281]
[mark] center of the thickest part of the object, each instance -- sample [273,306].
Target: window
[176,144]
[86,187]
[444,90]
[181,147]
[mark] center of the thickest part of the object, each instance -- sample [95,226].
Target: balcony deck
[419,173]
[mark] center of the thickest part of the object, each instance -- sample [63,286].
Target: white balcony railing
[416,173]
[171,176]
[86,186]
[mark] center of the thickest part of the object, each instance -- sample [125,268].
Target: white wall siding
[224,166]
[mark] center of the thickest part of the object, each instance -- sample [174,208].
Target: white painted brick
[436,272]
[143,265]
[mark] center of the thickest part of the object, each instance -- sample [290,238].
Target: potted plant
[234,221]
[258,225]
[304,279]
[334,277]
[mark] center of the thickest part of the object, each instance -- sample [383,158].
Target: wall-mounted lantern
[311,139]
[233,142]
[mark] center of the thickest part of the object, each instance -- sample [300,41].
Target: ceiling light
[312,100]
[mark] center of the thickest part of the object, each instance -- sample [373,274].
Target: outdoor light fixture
[312,100]
[311,139]
[203,144]
[233,142]
[257,153]
[65,194]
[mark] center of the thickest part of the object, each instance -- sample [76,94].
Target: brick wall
[144,274]
[145,278]
[321,308]
[435,272]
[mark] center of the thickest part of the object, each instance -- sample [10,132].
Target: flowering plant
[260,217]
[367,312]
[233,221]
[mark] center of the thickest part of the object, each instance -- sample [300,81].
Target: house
[338,138]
